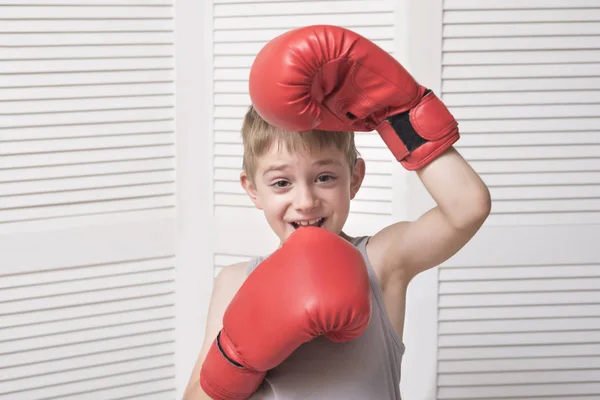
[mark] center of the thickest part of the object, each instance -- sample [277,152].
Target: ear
[250,188]
[358,174]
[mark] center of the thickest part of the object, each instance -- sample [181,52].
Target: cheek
[274,204]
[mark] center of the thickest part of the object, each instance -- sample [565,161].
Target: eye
[280,184]
[325,178]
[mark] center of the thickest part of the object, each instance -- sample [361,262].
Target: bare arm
[463,202]
[225,287]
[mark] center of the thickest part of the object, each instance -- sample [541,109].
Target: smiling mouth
[318,222]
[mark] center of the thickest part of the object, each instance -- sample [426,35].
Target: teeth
[309,222]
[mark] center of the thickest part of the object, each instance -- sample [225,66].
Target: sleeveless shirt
[365,368]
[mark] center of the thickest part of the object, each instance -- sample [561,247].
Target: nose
[305,199]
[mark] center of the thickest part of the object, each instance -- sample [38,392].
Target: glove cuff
[417,136]
[223,380]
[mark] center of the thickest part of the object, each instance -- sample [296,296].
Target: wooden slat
[520,85]
[473,312]
[515,4]
[107,206]
[524,364]
[231,34]
[519,352]
[88,143]
[525,15]
[86,38]
[291,21]
[86,117]
[56,52]
[76,25]
[86,12]
[525,30]
[301,8]
[88,78]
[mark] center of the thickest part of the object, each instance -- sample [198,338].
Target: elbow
[473,210]
[482,207]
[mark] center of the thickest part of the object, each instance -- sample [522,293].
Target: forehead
[280,152]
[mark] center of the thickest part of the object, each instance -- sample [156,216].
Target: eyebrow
[278,167]
[327,161]
[320,163]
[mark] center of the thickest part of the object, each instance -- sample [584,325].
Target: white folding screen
[87,174]
[517,316]
[240,29]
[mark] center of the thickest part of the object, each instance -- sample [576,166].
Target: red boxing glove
[330,78]
[315,284]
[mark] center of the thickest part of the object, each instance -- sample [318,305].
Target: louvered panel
[85,79]
[107,384]
[57,173]
[510,322]
[86,38]
[525,365]
[512,98]
[377,32]
[73,351]
[105,51]
[86,156]
[240,30]
[509,125]
[523,299]
[532,29]
[537,350]
[80,2]
[93,92]
[516,4]
[520,325]
[88,143]
[297,8]
[149,126]
[520,286]
[519,85]
[254,48]
[566,13]
[22,387]
[24,372]
[523,81]
[87,10]
[535,311]
[289,21]
[87,99]
[523,391]
[78,25]
[521,71]
[520,43]
[83,104]
[523,57]
[85,116]
[520,378]
[51,66]
[81,183]
[159,388]
[88,329]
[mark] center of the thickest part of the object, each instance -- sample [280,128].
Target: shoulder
[378,249]
[230,278]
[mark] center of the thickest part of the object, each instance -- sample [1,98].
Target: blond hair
[258,136]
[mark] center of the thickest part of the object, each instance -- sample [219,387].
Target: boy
[324,82]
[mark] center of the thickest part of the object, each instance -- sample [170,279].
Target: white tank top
[365,368]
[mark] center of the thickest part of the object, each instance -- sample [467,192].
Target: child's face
[295,189]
